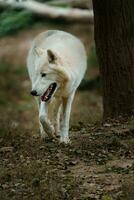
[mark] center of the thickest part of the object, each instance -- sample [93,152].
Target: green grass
[92,58]
[11,21]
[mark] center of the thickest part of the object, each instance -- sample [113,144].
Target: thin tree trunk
[114,37]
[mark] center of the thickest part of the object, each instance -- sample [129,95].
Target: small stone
[6,149]
[17,184]
[107,125]
[5,186]
[73,162]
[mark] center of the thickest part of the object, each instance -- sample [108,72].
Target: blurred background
[18,27]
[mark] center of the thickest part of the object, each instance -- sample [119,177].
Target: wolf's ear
[51,56]
[39,51]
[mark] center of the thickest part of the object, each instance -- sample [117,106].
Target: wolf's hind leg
[56,116]
[67,103]
[57,121]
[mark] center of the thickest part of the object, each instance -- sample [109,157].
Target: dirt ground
[97,165]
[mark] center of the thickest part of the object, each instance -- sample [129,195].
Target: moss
[106,198]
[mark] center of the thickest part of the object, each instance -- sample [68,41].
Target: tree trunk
[114,37]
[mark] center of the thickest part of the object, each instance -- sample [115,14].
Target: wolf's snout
[34,93]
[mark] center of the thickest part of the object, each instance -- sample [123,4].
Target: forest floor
[97,165]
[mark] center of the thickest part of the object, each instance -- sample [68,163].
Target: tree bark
[114,37]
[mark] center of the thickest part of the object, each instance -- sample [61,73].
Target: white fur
[67,72]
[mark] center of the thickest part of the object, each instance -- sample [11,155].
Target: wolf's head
[49,74]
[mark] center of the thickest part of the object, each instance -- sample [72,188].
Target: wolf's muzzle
[34,93]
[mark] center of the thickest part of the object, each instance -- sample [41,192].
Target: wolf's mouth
[49,92]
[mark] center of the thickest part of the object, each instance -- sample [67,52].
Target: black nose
[34,93]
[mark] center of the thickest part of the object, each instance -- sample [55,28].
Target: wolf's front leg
[56,116]
[45,124]
[67,104]
[42,113]
[41,110]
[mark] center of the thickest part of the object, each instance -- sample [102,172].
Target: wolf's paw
[43,135]
[49,140]
[65,140]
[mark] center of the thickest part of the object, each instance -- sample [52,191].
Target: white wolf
[56,65]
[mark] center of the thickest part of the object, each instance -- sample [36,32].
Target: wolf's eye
[43,74]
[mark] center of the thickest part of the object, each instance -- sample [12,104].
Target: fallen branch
[69,14]
[71,3]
